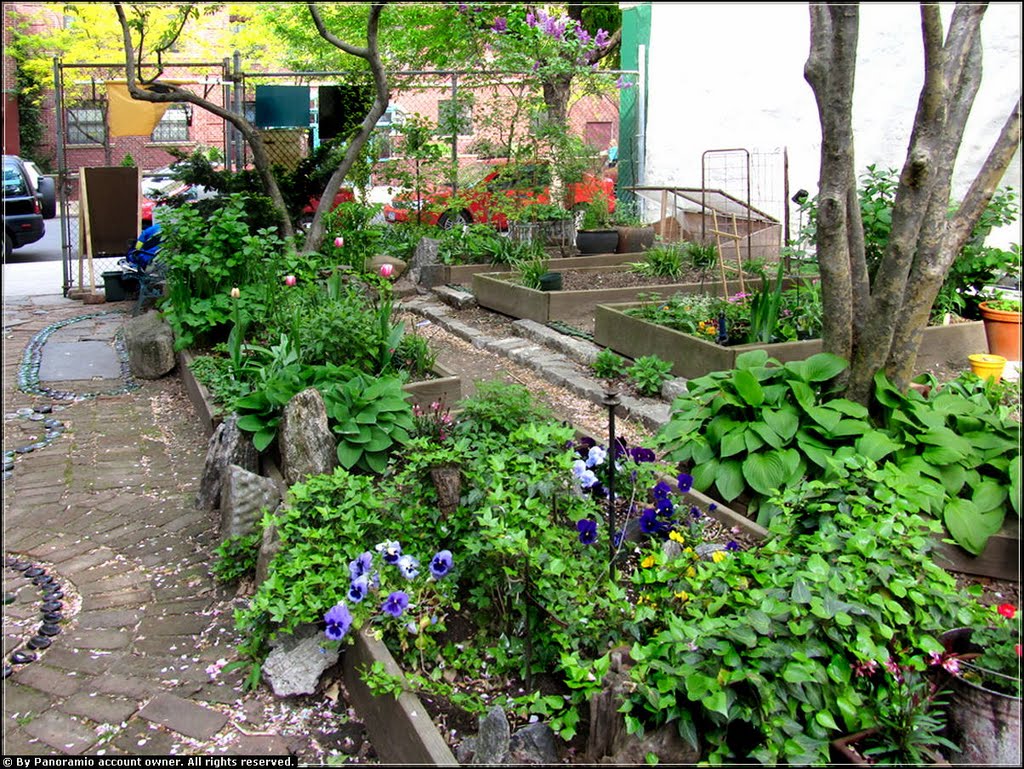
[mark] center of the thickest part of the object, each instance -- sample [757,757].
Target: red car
[489,200]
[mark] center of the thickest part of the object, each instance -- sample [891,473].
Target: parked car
[46,188]
[23,211]
[157,189]
[489,200]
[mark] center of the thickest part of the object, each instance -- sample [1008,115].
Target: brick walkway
[106,508]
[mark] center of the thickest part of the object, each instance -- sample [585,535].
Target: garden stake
[723,333]
[611,400]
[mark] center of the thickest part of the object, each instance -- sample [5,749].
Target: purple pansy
[588,531]
[661,490]
[391,551]
[361,565]
[395,604]
[359,588]
[685,482]
[339,620]
[441,564]
[408,566]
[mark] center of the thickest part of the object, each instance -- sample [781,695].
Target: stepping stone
[7,671]
[34,571]
[52,616]
[50,630]
[39,642]
[56,592]
[23,658]
[53,606]
[9,598]
[45,409]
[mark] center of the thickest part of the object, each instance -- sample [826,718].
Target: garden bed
[432,275]
[445,387]
[693,357]
[500,292]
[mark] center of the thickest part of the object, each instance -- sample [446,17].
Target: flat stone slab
[74,361]
[62,732]
[183,716]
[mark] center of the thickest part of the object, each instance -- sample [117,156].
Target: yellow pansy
[647,562]
[718,556]
[682,595]
[675,536]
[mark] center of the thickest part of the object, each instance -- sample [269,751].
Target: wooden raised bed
[455,274]
[498,291]
[446,388]
[692,357]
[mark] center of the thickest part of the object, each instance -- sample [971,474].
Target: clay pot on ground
[635,239]
[1002,329]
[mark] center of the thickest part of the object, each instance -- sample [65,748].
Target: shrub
[648,373]
[608,365]
[500,407]
[665,260]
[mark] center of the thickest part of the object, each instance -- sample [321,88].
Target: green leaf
[752,359]
[875,444]
[733,443]
[825,719]
[377,460]
[767,434]
[348,454]
[785,423]
[729,481]
[748,387]
[969,526]
[988,496]
[825,417]
[765,472]
[251,423]
[717,703]
[1014,472]
[264,438]
[819,367]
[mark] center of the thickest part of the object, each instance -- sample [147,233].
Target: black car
[23,212]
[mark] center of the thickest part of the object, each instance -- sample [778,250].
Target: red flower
[1017,648]
[1008,610]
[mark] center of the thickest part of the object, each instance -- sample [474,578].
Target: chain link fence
[440,128]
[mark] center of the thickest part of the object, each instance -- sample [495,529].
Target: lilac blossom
[601,38]
[339,620]
[622,83]
[500,24]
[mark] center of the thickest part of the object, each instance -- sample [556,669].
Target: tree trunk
[884,326]
[380,103]
[176,95]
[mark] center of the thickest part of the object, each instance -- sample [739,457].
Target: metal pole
[456,114]
[611,400]
[239,110]
[62,176]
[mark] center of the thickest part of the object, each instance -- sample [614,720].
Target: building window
[86,125]
[173,126]
[455,117]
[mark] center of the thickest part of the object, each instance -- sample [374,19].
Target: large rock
[244,496]
[270,544]
[308,446]
[610,743]
[297,661]
[228,446]
[374,263]
[150,343]
[492,743]
[425,256]
[533,744]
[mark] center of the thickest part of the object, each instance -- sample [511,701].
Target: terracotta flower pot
[1002,328]
[635,239]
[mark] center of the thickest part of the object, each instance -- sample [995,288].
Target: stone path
[104,506]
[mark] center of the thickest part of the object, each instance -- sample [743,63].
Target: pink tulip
[386,270]
[289,280]
[339,241]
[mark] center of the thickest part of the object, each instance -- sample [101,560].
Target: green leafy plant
[500,407]
[371,417]
[765,306]
[703,256]
[608,365]
[648,373]
[763,654]
[597,214]
[665,260]
[995,632]
[236,557]
[1005,305]
[531,270]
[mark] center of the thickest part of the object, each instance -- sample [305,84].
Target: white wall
[725,75]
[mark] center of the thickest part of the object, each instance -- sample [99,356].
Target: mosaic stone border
[28,374]
[50,611]
[54,429]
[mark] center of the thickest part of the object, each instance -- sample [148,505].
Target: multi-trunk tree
[877,324]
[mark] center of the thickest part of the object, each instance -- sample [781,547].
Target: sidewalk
[100,496]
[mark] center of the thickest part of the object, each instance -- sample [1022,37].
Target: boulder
[244,496]
[308,446]
[374,263]
[297,661]
[150,343]
[425,256]
[228,446]
[533,744]
[269,546]
[492,743]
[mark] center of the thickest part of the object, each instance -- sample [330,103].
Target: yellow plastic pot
[987,366]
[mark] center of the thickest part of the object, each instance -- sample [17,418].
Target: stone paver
[100,708]
[65,733]
[184,716]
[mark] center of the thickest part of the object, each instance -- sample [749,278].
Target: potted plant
[596,233]
[1002,326]
[634,234]
[985,685]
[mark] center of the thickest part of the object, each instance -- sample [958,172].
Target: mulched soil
[579,280]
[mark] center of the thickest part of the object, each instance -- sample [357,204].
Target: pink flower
[1016,648]
[386,270]
[339,242]
[289,280]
